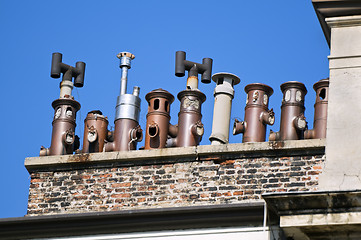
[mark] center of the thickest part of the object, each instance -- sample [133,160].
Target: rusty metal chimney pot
[320,114]
[293,122]
[158,118]
[63,138]
[257,115]
[95,132]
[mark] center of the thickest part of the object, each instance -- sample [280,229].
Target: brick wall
[177,182]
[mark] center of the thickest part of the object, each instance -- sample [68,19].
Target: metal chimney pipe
[223,95]
[63,139]
[320,117]
[124,64]
[95,132]
[127,131]
[189,130]
[257,115]
[293,121]
[158,117]
[190,127]
[204,68]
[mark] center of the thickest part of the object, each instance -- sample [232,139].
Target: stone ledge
[184,154]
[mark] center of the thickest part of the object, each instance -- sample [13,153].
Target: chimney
[158,117]
[320,116]
[63,138]
[127,131]
[257,115]
[189,130]
[95,132]
[223,96]
[293,121]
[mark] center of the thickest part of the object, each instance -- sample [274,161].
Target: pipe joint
[300,122]
[309,134]
[171,142]
[224,89]
[198,129]
[274,136]
[136,134]
[44,151]
[173,130]
[268,117]
[239,127]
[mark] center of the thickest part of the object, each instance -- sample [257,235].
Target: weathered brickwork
[170,185]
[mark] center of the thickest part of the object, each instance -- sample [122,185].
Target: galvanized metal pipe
[123,81]
[125,64]
[223,95]
[127,131]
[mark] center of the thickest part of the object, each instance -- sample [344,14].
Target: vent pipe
[223,95]
[158,117]
[189,130]
[63,138]
[95,132]
[293,121]
[127,131]
[256,116]
[320,117]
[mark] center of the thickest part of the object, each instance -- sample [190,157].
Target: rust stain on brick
[84,157]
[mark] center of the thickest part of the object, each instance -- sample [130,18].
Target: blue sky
[262,41]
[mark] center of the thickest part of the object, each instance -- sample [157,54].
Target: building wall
[174,183]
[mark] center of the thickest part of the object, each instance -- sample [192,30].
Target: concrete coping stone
[182,154]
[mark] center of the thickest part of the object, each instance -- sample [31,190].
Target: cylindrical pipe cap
[224,76]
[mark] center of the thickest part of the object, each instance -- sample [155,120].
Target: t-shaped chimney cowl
[69,72]
[204,68]
[63,139]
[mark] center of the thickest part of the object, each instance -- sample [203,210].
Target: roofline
[175,218]
[334,8]
[313,202]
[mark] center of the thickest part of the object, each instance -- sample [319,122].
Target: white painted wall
[255,233]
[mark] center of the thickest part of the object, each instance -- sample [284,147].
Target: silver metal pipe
[136,91]
[125,64]
[123,81]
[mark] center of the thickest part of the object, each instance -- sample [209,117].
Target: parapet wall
[174,177]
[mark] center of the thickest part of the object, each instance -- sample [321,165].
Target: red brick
[34,180]
[122,195]
[118,185]
[238,193]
